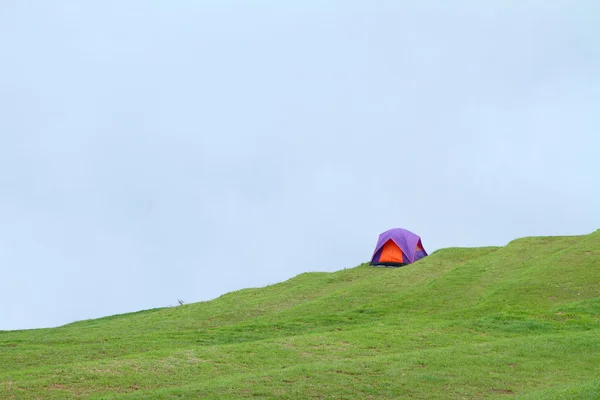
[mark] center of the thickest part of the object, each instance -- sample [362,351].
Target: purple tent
[397,247]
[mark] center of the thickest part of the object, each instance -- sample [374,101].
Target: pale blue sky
[155,151]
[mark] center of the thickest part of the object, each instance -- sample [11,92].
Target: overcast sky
[165,150]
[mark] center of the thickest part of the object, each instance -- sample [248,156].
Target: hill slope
[520,321]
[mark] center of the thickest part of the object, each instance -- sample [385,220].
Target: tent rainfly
[397,247]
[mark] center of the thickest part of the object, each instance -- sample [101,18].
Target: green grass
[520,321]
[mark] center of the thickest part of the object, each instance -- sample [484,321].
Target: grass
[520,321]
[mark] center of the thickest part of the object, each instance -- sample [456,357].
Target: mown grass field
[520,321]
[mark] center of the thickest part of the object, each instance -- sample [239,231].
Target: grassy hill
[520,321]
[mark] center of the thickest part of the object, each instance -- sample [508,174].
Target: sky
[156,151]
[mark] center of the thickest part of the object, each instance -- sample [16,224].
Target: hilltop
[518,321]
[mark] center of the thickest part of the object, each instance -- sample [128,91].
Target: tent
[397,247]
